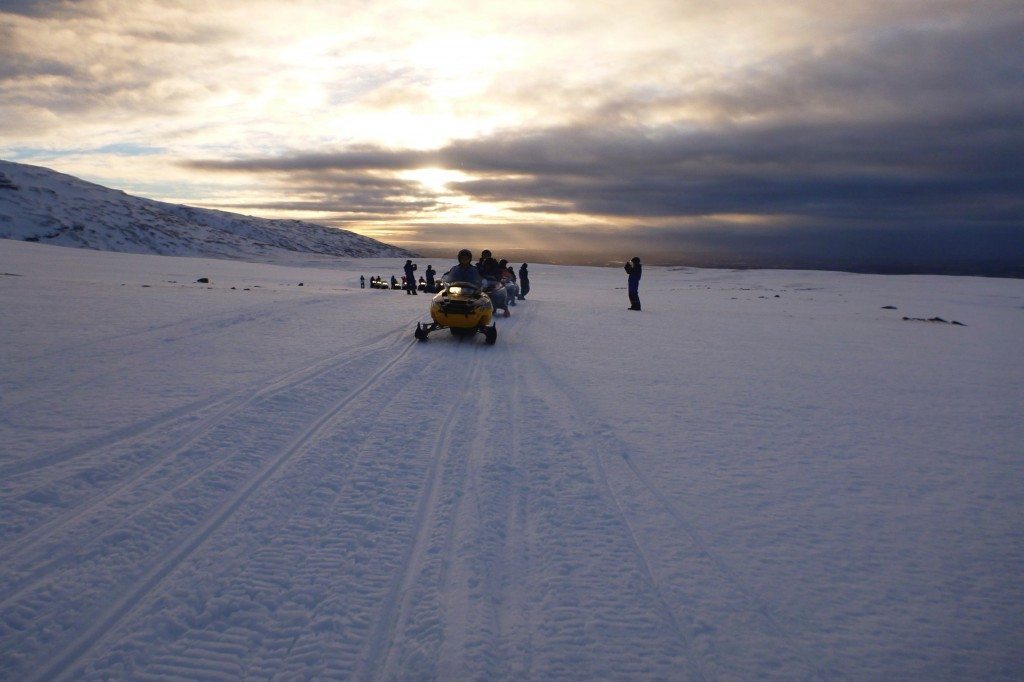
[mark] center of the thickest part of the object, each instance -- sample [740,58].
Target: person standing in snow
[430,278]
[362,281]
[410,280]
[524,282]
[634,270]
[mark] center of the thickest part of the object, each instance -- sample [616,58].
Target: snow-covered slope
[763,475]
[38,204]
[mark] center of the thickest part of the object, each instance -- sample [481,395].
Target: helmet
[465,254]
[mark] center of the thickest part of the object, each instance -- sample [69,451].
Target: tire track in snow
[513,564]
[466,592]
[285,382]
[379,657]
[510,625]
[474,580]
[234,400]
[64,662]
[696,670]
[754,600]
[216,325]
[447,613]
[603,439]
[314,561]
[565,403]
[191,327]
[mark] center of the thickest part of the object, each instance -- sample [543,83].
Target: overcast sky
[745,129]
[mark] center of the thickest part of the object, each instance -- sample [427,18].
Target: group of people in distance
[496,277]
[408,283]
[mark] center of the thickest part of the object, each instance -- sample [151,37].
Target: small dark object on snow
[203,280]
[301,284]
[933,319]
[889,307]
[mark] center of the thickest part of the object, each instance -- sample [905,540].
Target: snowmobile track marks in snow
[287,381]
[629,490]
[65,661]
[379,657]
[233,401]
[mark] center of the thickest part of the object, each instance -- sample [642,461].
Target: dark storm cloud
[903,171]
[870,171]
[351,195]
[935,65]
[907,141]
[361,158]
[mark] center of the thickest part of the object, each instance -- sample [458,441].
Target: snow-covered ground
[761,475]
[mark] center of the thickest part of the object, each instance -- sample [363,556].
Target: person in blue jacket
[410,279]
[634,270]
[465,271]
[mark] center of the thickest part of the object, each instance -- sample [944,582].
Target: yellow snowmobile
[464,309]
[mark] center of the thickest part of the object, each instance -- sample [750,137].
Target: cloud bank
[880,135]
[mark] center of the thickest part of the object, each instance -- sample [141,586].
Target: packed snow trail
[282,483]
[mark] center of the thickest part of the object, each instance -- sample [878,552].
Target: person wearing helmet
[465,271]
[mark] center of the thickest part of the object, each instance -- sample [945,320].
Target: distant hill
[39,204]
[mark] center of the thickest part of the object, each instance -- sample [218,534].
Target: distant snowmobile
[464,309]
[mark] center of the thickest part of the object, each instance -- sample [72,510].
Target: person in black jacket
[524,282]
[634,270]
[410,279]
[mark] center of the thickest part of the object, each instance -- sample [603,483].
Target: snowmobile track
[601,434]
[287,381]
[64,662]
[394,607]
[232,402]
[213,325]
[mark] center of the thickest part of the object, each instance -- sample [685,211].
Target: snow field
[206,483]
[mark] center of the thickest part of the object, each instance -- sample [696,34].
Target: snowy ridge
[42,205]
